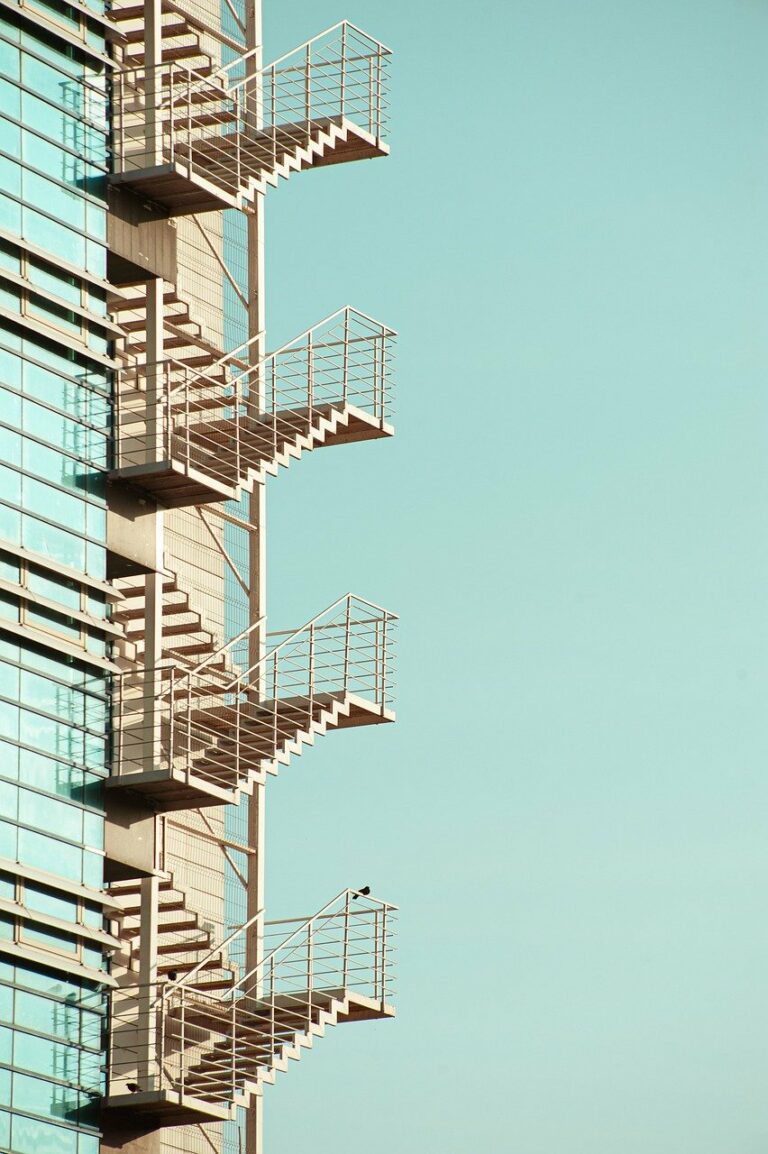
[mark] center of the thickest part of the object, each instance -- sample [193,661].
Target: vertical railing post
[345,359]
[377,984]
[384,955]
[308,86]
[274,406]
[384,662]
[310,969]
[376,661]
[271,1009]
[238,730]
[240,121]
[378,94]
[188,695]
[343,77]
[345,948]
[183,1042]
[187,428]
[273,116]
[347,639]
[233,1089]
[238,428]
[380,376]
[274,702]
[310,378]
[311,671]
[161,1020]
[171,717]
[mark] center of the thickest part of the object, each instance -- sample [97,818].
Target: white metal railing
[215,1047]
[233,421]
[234,130]
[231,719]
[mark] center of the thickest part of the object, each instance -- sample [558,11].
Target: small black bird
[134,1087]
[172,975]
[362,893]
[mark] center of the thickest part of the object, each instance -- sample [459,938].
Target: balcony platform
[160,1108]
[175,484]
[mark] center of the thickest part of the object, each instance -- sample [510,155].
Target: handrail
[286,941]
[307,625]
[232,641]
[168,988]
[300,47]
[346,310]
[223,71]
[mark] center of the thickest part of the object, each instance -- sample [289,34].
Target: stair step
[182,52]
[206,120]
[134,888]
[190,923]
[140,323]
[138,35]
[175,906]
[195,945]
[121,304]
[125,616]
[182,967]
[193,649]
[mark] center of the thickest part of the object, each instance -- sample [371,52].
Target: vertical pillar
[258,553]
[153,600]
[153,58]
[148,1069]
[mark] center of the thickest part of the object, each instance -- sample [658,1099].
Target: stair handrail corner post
[308,85]
[310,970]
[345,953]
[310,377]
[345,359]
[379,83]
[384,670]
[347,641]
[384,913]
[343,69]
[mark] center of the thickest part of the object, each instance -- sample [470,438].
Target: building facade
[147,996]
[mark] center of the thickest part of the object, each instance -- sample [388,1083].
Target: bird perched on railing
[362,892]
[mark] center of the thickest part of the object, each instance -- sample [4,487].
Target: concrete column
[153,55]
[153,603]
[148,1069]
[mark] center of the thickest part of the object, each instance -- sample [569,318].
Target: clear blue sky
[571,235]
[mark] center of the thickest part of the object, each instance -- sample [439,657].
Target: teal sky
[572,811]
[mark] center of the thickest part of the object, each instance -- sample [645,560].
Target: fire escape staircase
[191,437]
[196,1055]
[193,136]
[192,737]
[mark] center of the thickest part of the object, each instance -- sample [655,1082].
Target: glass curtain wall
[55,427]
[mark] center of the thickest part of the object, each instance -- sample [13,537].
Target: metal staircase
[196,139]
[191,436]
[187,738]
[197,1055]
